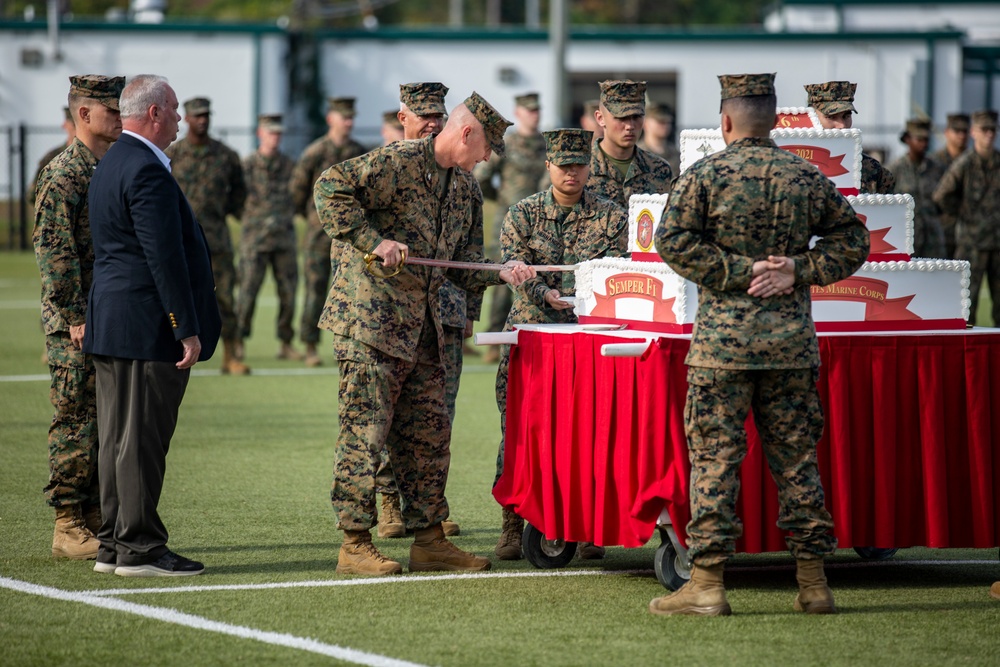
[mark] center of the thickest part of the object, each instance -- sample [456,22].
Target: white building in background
[925,62]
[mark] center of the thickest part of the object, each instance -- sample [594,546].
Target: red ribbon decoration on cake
[787,120]
[634,286]
[829,165]
[870,292]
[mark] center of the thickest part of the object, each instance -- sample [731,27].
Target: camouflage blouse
[736,207]
[63,245]
[648,174]
[538,231]
[396,192]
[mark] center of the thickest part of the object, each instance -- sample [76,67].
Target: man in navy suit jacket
[152,315]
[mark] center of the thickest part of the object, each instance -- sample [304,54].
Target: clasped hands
[772,277]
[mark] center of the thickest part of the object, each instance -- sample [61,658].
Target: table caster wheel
[670,571]
[544,553]
[875,553]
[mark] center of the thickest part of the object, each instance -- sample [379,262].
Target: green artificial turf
[247,492]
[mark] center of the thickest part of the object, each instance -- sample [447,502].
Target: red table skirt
[910,456]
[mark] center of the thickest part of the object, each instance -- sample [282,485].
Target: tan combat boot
[312,356]
[231,364]
[509,546]
[71,538]
[814,597]
[359,556]
[390,519]
[92,517]
[704,595]
[431,552]
[286,351]
[995,590]
[450,528]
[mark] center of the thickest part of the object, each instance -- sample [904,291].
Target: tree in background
[352,13]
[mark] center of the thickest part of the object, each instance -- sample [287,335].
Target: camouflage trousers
[789,417]
[253,268]
[501,393]
[73,431]
[396,405]
[454,339]
[225,281]
[317,262]
[983,263]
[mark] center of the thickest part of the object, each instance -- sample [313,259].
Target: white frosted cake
[796,117]
[891,296]
[644,215]
[881,296]
[889,219]
[643,295]
[836,153]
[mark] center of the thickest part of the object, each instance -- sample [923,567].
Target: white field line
[369,581]
[366,581]
[199,623]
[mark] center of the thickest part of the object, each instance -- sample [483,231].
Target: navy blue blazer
[153,282]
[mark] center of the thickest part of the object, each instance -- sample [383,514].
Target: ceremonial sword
[450,264]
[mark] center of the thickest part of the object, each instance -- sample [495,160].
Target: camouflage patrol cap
[529,101]
[424,98]
[197,106]
[342,105]
[832,97]
[958,121]
[494,125]
[658,111]
[918,128]
[392,118]
[270,122]
[568,146]
[746,85]
[624,98]
[104,89]
[986,119]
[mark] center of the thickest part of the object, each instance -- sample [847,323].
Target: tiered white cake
[890,292]
[836,153]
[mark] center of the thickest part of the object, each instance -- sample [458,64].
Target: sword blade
[480,266]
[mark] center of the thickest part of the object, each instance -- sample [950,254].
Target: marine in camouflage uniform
[421,114]
[520,172]
[65,254]
[754,344]
[834,105]
[211,178]
[634,170]
[917,174]
[956,137]
[656,135]
[970,190]
[319,256]
[268,236]
[70,130]
[565,224]
[389,338]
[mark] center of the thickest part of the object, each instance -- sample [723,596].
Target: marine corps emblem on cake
[644,236]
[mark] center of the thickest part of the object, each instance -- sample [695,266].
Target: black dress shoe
[167,565]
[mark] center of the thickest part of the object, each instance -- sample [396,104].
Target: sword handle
[370,258]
